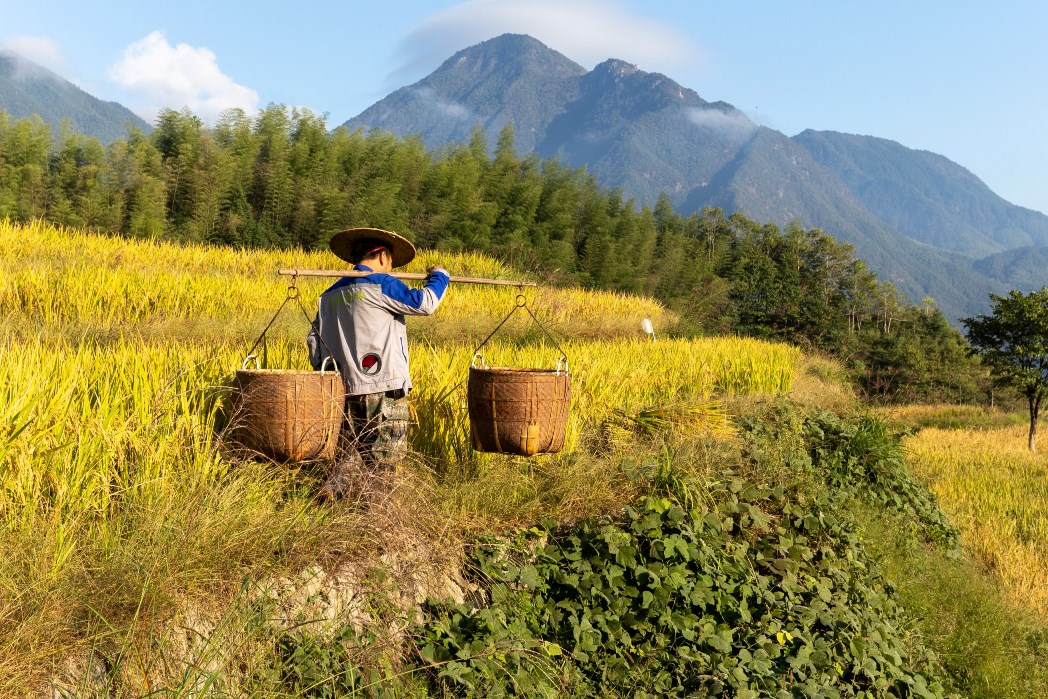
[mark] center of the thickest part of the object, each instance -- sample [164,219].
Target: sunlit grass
[996,492]
[121,503]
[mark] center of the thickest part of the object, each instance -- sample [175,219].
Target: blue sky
[968,80]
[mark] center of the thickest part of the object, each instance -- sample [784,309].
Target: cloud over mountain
[454,110]
[588,31]
[731,123]
[38,49]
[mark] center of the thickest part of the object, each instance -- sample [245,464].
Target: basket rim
[517,370]
[288,372]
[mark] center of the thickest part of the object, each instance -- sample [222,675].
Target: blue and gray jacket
[361,323]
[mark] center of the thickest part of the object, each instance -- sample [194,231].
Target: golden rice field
[116,496]
[83,423]
[66,280]
[81,415]
[996,492]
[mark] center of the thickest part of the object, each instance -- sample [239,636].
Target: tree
[1013,343]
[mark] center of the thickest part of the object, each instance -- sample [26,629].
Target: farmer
[360,325]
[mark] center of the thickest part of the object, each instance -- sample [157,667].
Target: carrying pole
[407,276]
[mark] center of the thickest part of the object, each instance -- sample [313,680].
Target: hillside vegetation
[916,218]
[699,533]
[28,89]
[281,180]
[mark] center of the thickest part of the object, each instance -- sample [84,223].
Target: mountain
[1025,269]
[513,79]
[27,88]
[918,219]
[613,119]
[925,196]
[773,178]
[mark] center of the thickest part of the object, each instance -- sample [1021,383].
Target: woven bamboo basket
[518,411]
[289,415]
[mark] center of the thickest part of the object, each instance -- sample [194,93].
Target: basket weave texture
[289,415]
[518,411]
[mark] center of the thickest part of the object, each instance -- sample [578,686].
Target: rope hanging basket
[288,414]
[518,411]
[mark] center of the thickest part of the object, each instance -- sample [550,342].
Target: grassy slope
[987,609]
[122,506]
[124,514]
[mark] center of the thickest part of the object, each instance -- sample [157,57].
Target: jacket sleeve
[317,354]
[398,297]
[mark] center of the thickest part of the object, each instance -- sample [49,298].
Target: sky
[965,79]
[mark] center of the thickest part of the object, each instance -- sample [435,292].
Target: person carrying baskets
[360,325]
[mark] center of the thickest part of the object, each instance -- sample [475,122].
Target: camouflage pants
[375,429]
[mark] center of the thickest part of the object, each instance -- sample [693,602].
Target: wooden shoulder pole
[407,276]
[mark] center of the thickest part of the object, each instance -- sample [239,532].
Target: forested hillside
[27,89]
[281,179]
[926,196]
[916,218]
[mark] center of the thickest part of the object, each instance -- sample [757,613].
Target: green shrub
[761,592]
[857,457]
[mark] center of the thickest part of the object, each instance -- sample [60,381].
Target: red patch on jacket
[370,364]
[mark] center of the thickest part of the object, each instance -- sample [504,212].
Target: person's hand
[437,268]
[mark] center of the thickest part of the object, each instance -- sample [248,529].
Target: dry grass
[996,492]
[822,382]
[123,511]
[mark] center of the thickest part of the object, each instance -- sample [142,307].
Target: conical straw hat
[342,244]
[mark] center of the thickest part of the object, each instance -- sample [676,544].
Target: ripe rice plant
[115,358]
[92,408]
[996,492]
[628,376]
[115,501]
[102,284]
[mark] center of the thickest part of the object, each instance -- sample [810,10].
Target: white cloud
[38,49]
[162,75]
[732,123]
[586,31]
[453,110]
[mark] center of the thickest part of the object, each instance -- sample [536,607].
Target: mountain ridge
[919,219]
[27,88]
[967,217]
